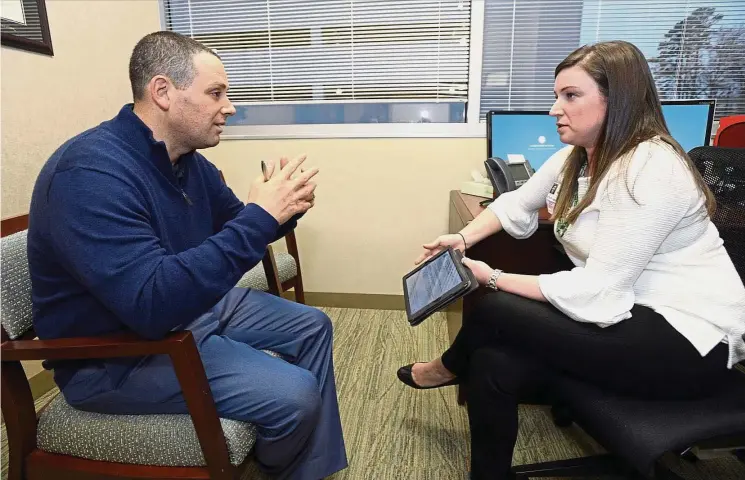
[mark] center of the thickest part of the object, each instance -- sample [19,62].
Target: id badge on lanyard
[551,198]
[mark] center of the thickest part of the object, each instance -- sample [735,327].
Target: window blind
[696,49]
[327,51]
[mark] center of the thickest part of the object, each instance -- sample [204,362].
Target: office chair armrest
[187,363]
[119,345]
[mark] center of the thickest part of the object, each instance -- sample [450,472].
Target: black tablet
[435,284]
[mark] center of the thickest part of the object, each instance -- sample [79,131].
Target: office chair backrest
[731,132]
[723,170]
[15,286]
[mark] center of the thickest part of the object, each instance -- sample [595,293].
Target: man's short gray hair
[164,53]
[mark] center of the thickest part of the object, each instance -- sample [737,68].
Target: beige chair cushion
[15,290]
[256,278]
[163,440]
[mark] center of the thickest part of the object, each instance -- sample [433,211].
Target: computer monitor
[529,133]
[689,121]
[533,133]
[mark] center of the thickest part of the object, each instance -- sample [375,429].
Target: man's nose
[229,109]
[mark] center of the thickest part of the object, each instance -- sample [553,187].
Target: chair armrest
[271,272]
[270,265]
[297,282]
[120,345]
[292,248]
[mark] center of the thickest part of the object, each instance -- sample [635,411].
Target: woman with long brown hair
[654,307]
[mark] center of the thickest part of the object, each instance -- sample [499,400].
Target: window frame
[471,128]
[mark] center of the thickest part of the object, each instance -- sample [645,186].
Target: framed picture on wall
[24,25]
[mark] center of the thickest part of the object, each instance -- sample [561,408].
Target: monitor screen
[533,133]
[689,121]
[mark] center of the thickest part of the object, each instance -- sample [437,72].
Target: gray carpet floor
[395,432]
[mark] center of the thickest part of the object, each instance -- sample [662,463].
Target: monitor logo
[541,144]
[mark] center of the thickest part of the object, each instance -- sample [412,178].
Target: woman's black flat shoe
[404,374]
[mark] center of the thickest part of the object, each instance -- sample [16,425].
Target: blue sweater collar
[141,137]
[134,128]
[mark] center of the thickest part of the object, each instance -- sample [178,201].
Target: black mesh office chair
[637,433]
[723,170]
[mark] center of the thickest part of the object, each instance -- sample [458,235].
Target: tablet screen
[431,282]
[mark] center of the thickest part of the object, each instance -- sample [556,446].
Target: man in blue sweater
[131,229]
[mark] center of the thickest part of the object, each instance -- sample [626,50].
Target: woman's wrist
[465,244]
[493,278]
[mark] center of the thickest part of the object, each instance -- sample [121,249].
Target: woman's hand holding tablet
[436,283]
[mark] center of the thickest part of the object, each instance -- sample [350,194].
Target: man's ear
[160,89]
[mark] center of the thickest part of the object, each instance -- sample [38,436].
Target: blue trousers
[292,401]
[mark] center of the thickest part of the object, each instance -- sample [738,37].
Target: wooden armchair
[64,443]
[277,272]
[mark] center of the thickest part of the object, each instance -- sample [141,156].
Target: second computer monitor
[533,133]
[689,121]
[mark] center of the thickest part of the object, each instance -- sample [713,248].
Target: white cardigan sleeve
[636,213]
[518,210]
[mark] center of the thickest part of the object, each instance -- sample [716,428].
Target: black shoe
[404,374]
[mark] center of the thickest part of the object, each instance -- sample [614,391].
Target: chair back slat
[15,286]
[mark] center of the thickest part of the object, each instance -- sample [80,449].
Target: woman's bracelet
[492,282]
[465,245]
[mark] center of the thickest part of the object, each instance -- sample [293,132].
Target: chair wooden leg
[299,293]
[20,417]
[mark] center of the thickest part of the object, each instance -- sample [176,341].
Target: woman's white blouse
[645,239]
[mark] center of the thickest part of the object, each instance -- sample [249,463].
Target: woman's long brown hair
[633,115]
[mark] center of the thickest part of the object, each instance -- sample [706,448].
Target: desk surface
[472,207]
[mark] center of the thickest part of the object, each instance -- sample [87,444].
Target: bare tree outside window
[701,57]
